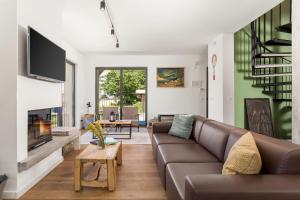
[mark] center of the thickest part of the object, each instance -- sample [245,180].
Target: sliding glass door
[122,91]
[68,96]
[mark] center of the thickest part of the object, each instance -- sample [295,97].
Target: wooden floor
[137,178]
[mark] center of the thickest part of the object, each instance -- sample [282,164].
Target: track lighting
[105,8]
[102,5]
[112,31]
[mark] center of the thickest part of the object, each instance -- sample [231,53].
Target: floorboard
[137,179]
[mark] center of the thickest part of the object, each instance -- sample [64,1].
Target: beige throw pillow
[243,158]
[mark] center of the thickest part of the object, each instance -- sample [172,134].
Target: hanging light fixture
[112,31]
[102,5]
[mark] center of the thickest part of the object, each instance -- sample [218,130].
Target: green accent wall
[282,115]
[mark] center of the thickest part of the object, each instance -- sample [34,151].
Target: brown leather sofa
[192,169]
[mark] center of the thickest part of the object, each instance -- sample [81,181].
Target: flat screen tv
[45,59]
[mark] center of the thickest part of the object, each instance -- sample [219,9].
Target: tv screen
[46,60]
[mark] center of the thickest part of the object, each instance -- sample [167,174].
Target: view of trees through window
[122,88]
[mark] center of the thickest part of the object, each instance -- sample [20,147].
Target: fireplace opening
[39,128]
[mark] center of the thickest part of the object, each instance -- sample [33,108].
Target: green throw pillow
[182,126]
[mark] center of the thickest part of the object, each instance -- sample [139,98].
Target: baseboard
[9,194]
[17,194]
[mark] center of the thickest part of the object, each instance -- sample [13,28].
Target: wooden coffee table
[105,123]
[111,156]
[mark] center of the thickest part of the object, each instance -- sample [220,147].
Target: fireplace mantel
[47,149]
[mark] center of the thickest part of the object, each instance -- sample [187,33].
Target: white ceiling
[156,26]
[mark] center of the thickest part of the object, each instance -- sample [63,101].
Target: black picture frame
[258,116]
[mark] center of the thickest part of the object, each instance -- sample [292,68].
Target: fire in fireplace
[39,127]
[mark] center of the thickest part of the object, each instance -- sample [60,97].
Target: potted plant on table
[99,132]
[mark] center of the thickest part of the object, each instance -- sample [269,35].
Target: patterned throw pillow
[243,158]
[182,126]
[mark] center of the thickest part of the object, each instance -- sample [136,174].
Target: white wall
[36,94]
[21,94]
[8,91]
[296,72]
[221,90]
[160,100]
[29,178]
[228,78]
[215,87]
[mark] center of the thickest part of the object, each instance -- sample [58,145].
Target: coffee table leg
[119,155]
[130,129]
[111,175]
[77,175]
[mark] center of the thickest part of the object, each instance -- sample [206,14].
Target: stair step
[271,55]
[277,92]
[273,66]
[286,28]
[278,42]
[271,75]
[272,84]
[282,100]
[249,78]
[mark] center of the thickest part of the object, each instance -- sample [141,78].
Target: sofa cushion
[161,127]
[214,136]
[243,158]
[169,139]
[176,173]
[158,139]
[181,153]
[278,156]
[197,127]
[182,126]
[235,134]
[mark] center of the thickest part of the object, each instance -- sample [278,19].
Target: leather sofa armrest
[246,187]
[161,127]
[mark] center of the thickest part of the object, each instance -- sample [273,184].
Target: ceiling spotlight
[112,31]
[102,5]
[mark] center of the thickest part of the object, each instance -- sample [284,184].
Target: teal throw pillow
[182,126]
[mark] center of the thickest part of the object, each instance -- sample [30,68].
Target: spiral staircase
[271,69]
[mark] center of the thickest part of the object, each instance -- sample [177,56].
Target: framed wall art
[259,116]
[172,77]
